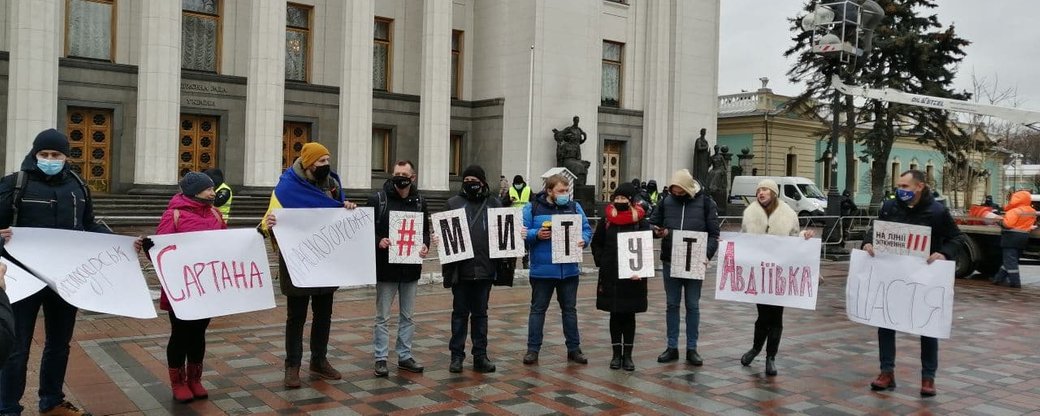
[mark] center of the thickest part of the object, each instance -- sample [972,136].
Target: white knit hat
[770,185]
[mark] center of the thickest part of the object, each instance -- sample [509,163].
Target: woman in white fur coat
[769,216]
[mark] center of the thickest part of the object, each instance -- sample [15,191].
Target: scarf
[632,216]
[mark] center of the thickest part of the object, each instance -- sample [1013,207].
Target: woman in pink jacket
[190,210]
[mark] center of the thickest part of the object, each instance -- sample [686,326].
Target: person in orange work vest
[1019,220]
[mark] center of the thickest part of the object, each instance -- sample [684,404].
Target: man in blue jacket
[547,277]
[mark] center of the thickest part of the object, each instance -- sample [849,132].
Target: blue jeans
[469,312]
[1009,268]
[567,295]
[674,289]
[385,292]
[929,353]
[59,321]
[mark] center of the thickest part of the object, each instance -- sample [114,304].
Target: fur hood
[783,222]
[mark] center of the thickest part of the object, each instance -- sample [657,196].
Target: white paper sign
[328,247]
[689,252]
[902,239]
[92,271]
[768,269]
[406,237]
[455,242]
[505,229]
[635,254]
[566,234]
[213,273]
[902,293]
[20,283]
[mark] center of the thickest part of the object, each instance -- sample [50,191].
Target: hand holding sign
[902,293]
[689,254]
[902,239]
[327,247]
[453,240]
[567,241]
[407,229]
[635,254]
[506,231]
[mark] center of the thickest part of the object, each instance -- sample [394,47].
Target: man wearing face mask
[547,277]
[914,204]
[399,193]
[45,194]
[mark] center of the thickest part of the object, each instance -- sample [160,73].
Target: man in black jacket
[470,280]
[914,204]
[52,196]
[399,193]
[685,207]
[6,319]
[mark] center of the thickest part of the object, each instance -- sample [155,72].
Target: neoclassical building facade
[149,89]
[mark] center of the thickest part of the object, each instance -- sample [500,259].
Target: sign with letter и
[902,293]
[328,247]
[505,229]
[689,252]
[769,269]
[566,234]
[213,273]
[635,254]
[406,237]
[453,228]
[902,239]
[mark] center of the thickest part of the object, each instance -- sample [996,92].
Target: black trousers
[769,326]
[321,324]
[469,312]
[187,340]
[622,328]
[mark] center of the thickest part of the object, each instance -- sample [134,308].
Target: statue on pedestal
[701,158]
[718,177]
[568,151]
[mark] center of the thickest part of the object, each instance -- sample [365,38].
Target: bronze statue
[701,161]
[568,151]
[717,177]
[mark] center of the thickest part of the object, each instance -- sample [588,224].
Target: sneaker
[381,370]
[64,409]
[322,369]
[410,365]
[577,356]
[456,365]
[531,357]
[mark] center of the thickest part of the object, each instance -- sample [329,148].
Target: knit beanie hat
[475,171]
[194,182]
[51,139]
[626,190]
[770,185]
[311,152]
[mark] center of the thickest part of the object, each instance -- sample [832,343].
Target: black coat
[692,214]
[613,294]
[481,266]
[386,272]
[928,212]
[57,201]
[6,327]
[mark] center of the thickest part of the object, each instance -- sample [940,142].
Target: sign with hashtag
[328,247]
[406,237]
[902,239]
[20,283]
[635,254]
[689,254]
[505,229]
[566,234]
[455,242]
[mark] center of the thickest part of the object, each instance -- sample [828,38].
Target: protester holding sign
[399,193]
[624,297]
[45,193]
[1019,219]
[769,216]
[547,277]
[685,207]
[6,318]
[470,280]
[190,210]
[308,183]
[914,205]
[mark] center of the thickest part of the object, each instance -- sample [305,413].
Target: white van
[801,194]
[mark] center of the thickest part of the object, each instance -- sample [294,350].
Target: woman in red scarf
[623,298]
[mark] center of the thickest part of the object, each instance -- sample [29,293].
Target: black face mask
[401,182]
[322,172]
[621,206]
[472,189]
[203,200]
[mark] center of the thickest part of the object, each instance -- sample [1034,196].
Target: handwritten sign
[453,227]
[20,283]
[902,239]
[635,254]
[689,252]
[902,293]
[328,247]
[406,237]
[92,271]
[213,273]
[505,228]
[768,269]
[566,234]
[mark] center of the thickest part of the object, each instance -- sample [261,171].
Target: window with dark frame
[382,52]
[200,35]
[456,64]
[88,29]
[792,164]
[610,95]
[297,41]
[455,162]
[381,157]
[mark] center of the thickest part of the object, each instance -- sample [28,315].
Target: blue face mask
[562,199]
[50,167]
[905,195]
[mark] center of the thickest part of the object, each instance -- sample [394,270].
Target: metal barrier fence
[834,231]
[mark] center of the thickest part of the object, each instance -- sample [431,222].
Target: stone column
[435,107]
[656,123]
[265,93]
[355,95]
[32,95]
[158,93]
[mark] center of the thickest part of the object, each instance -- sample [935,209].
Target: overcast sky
[1005,36]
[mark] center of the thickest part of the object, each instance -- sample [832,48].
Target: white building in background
[149,89]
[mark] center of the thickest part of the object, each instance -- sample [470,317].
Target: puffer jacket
[698,213]
[535,213]
[481,266]
[183,215]
[928,213]
[58,201]
[1019,220]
